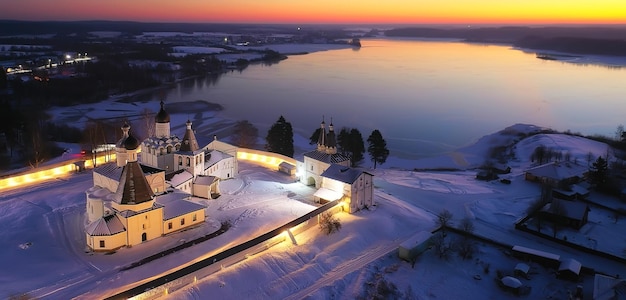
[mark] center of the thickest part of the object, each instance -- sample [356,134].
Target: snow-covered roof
[536,252]
[179,208]
[342,173]
[570,264]
[107,225]
[571,210]
[215,157]
[327,194]
[205,180]
[286,165]
[327,158]
[112,171]
[522,267]
[156,142]
[179,177]
[97,192]
[418,239]
[511,282]
[129,213]
[558,171]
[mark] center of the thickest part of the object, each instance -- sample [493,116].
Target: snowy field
[45,250]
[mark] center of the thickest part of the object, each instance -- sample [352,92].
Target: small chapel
[330,172]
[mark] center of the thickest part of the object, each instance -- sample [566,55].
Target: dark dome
[162,116]
[131,143]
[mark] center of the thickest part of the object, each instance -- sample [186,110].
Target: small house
[569,269]
[557,174]
[287,168]
[414,246]
[568,213]
[206,187]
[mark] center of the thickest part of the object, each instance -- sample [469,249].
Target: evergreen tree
[315,136]
[3,79]
[279,138]
[598,172]
[377,148]
[357,147]
[343,141]
[350,143]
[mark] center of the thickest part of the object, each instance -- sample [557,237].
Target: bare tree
[440,246]
[444,219]
[619,133]
[466,247]
[92,137]
[37,147]
[245,134]
[147,118]
[589,158]
[329,223]
[467,225]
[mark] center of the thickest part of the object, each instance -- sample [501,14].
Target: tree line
[279,139]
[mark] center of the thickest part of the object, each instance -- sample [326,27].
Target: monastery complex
[146,196]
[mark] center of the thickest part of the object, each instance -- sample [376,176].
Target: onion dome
[162,116]
[125,129]
[131,143]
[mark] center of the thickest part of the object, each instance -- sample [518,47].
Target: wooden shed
[414,246]
[569,269]
[545,258]
[287,168]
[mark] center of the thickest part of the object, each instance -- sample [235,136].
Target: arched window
[188,162]
[180,160]
[162,151]
[169,149]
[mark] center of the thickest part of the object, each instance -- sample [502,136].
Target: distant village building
[568,213]
[569,269]
[557,174]
[122,206]
[414,246]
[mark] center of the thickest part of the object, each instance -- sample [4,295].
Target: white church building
[330,172]
[123,208]
[190,166]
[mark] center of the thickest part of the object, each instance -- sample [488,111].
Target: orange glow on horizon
[325,11]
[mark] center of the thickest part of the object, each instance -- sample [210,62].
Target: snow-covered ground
[44,249]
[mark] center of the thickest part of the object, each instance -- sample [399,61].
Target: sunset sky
[323,11]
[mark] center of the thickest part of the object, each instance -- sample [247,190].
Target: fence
[176,280]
